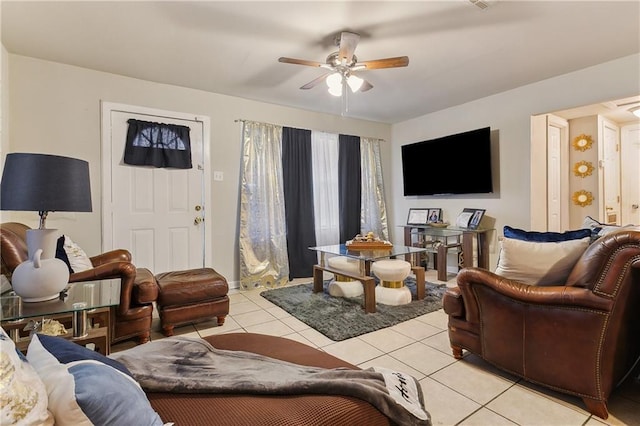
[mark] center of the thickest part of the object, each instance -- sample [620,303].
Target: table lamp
[43,183]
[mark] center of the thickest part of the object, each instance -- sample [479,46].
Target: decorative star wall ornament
[582,142]
[583,168]
[582,198]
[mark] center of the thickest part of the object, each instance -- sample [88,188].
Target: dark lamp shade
[45,183]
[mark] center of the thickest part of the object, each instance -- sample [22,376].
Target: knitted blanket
[191,365]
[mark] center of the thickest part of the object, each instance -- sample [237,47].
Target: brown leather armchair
[581,338]
[138,288]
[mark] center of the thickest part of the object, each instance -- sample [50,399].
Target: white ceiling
[458,52]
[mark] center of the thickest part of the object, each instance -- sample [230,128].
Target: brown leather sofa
[138,286]
[268,410]
[581,337]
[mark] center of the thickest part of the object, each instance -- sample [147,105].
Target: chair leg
[597,408]
[167,330]
[143,338]
[457,352]
[221,319]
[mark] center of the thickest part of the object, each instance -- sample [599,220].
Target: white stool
[341,285]
[392,273]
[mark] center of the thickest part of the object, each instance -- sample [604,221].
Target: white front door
[155,213]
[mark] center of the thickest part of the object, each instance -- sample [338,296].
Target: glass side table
[79,304]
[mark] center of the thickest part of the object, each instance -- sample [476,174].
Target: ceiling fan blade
[400,61]
[300,62]
[348,43]
[315,81]
[366,86]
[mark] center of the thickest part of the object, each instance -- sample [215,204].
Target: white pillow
[22,392]
[538,263]
[86,388]
[78,259]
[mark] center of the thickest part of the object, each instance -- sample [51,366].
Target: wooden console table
[468,236]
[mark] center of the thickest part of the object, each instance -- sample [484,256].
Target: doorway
[159,215]
[609,171]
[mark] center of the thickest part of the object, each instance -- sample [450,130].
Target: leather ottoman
[190,296]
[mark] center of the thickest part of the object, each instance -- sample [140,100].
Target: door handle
[634,206]
[198,220]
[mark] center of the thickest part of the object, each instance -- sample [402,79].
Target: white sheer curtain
[324,149]
[263,232]
[374,211]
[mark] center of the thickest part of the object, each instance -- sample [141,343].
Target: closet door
[630,172]
[610,172]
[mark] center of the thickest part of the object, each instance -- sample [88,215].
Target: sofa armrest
[559,295]
[145,288]
[452,302]
[119,255]
[126,271]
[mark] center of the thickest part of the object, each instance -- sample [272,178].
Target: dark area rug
[341,318]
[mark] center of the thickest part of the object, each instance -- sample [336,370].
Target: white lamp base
[45,239]
[39,279]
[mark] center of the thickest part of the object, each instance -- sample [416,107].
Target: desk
[97,299]
[468,235]
[366,258]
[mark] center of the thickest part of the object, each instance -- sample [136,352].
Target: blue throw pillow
[545,237]
[86,388]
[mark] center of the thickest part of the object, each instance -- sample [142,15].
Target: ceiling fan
[342,65]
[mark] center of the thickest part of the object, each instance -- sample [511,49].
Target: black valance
[158,145]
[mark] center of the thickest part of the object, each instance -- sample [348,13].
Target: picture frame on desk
[435,215]
[418,217]
[470,218]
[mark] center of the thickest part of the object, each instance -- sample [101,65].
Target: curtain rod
[244,120]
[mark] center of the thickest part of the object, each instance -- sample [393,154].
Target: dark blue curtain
[298,201]
[350,186]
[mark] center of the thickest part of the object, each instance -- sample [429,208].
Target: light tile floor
[465,392]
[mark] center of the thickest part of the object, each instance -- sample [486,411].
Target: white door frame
[558,174]
[107,190]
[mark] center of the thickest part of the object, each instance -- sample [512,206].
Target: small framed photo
[418,217]
[470,218]
[435,215]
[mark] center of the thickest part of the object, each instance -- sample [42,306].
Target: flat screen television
[454,164]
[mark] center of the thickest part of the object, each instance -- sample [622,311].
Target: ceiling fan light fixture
[336,91]
[635,111]
[355,83]
[334,80]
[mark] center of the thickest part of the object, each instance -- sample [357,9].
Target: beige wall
[509,113]
[587,126]
[55,109]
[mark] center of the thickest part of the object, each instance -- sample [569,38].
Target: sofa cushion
[22,392]
[86,388]
[599,229]
[545,237]
[538,263]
